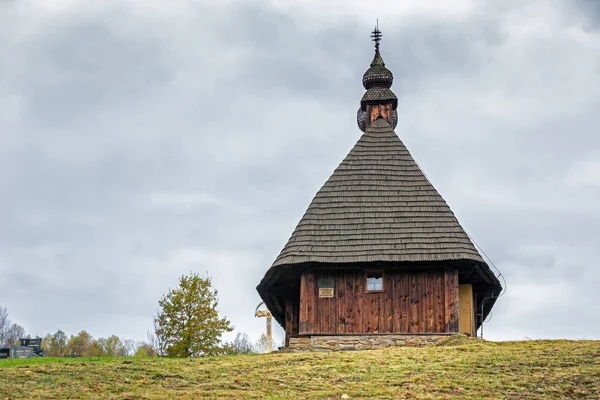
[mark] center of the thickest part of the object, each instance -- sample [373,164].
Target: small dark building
[378,251]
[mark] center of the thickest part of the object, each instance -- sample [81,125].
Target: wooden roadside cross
[267,314]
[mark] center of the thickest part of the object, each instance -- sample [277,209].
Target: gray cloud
[142,144]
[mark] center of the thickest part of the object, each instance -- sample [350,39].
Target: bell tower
[379,100]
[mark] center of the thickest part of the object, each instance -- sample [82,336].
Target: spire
[377,80]
[376,36]
[377,74]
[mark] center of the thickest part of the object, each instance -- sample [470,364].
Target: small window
[374,282]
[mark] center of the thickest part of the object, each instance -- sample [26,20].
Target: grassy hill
[457,368]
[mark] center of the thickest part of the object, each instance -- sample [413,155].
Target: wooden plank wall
[411,302]
[291,319]
[451,299]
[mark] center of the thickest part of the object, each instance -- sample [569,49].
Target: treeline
[243,345]
[59,344]
[84,345]
[187,324]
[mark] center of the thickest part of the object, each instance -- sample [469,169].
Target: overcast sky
[146,139]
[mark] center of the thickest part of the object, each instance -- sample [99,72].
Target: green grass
[466,369]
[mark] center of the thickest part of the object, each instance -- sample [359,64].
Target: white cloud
[584,173]
[388,11]
[183,202]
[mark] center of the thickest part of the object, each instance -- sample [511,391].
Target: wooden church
[378,251]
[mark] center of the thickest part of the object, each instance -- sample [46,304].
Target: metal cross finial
[376,35]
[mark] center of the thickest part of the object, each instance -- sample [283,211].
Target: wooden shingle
[378,206]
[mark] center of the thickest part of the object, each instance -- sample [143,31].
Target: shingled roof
[378,206]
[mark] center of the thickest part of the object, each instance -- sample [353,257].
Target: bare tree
[130,346]
[4,325]
[241,344]
[10,333]
[15,332]
[157,341]
[260,346]
[56,345]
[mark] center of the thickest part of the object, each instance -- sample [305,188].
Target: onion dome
[378,74]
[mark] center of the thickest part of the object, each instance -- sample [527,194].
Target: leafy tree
[95,348]
[81,344]
[114,347]
[145,350]
[188,320]
[55,345]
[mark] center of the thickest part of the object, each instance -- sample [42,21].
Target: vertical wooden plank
[451,299]
[367,312]
[303,317]
[456,301]
[456,321]
[349,301]
[422,285]
[447,297]
[324,309]
[319,305]
[288,320]
[422,300]
[355,321]
[382,314]
[430,302]
[359,301]
[425,300]
[397,302]
[414,303]
[375,311]
[295,315]
[389,303]
[333,324]
[406,301]
[312,311]
[439,301]
[352,304]
[340,286]
[327,326]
